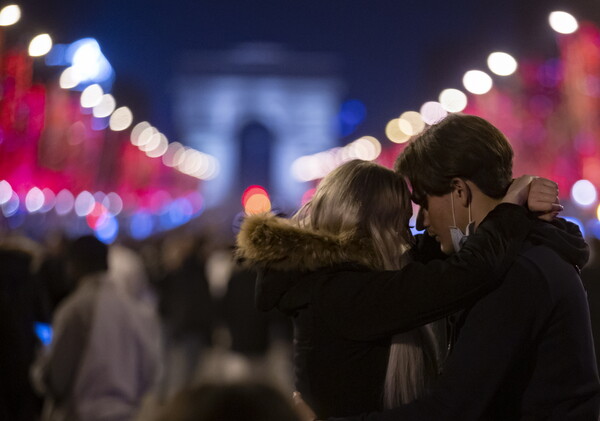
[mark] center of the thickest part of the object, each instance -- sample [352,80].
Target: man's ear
[461,191]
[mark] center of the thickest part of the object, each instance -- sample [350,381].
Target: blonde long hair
[370,203]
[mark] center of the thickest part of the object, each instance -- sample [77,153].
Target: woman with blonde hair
[357,221]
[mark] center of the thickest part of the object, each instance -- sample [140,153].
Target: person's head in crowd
[366,201]
[229,402]
[86,255]
[457,168]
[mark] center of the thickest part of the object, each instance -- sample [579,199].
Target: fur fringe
[267,241]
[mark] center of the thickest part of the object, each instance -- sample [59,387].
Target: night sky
[395,54]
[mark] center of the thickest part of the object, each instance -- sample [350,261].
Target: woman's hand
[540,194]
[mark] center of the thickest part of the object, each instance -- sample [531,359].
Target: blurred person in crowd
[263,339]
[229,402]
[187,310]
[524,351]
[17,339]
[103,357]
[358,221]
[52,273]
[591,281]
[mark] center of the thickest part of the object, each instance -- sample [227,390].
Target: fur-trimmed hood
[267,241]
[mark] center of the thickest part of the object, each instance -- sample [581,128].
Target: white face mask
[457,236]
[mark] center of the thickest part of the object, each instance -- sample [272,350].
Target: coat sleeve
[373,305]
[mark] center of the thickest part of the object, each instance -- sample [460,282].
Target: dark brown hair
[461,145]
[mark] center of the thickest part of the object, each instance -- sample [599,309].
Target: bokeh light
[69,79]
[502,64]
[88,62]
[563,22]
[11,206]
[477,82]
[174,149]
[113,203]
[40,45]
[141,225]
[137,131]
[6,191]
[160,149]
[252,190]
[91,96]
[9,15]
[411,123]
[257,203]
[84,203]
[34,200]
[105,107]
[453,100]
[432,112]
[584,193]
[107,230]
[64,202]
[394,133]
[121,119]
[49,199]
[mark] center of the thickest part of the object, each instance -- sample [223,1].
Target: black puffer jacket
[345,314]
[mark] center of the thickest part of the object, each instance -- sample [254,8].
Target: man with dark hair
[104,354]
[524,351]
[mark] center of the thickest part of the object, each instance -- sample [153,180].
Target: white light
[502,64]
[137,130]
[69,79]
[411,123]
[113,203]
[563,22]
[49,200]
[64,202]
[432,112]
[10,15]
[160,149]
[40,45]
[395,133]
[91,96]
[88,61]
[106,107]
[477,82]
[6,192]
[121,119]
[84,203]
[453,100]
[145,136]
[11,206]
[372,147]
[152,142]
[34,200]
[169,157]
[584,193]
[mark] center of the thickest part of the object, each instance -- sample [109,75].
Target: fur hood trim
[267,241]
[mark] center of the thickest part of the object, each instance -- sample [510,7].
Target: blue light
[351,114]
[176,213]
[100,123]
[89,64]
[44,332]
[593,228]
[141,225]
[56,56]
[108,230]
[576,222]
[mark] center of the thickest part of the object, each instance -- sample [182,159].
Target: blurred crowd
[117,332]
